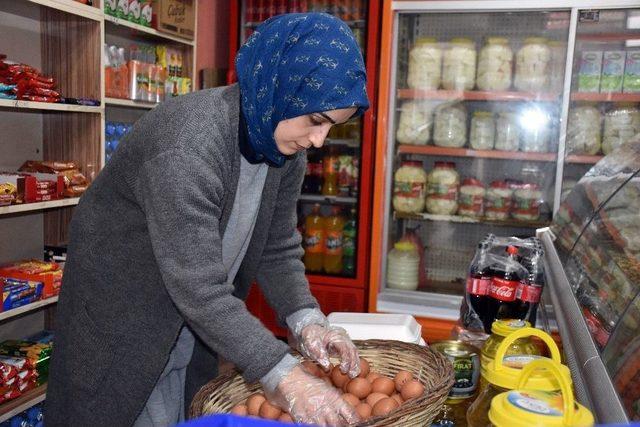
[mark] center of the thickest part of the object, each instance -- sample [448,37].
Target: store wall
[213,35]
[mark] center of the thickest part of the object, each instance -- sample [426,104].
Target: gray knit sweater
[145,257]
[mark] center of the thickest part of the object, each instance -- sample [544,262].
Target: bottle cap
[512,250]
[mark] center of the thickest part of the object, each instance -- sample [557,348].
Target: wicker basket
[385,357]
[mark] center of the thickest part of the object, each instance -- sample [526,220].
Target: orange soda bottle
[331,164]
[334,226]
[314,238]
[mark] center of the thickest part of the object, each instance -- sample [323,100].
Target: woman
[197,203]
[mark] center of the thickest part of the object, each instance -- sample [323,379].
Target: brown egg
[412,389]
[373,376]
[364,411]
[254,402]
[359,387]
[364,368]
[285,418]
[240,410]
[397,398]
[374,397]
[312,368]
[351,399]
[269,411]
[401,378]
[384,406]
[383,385]
[338,378]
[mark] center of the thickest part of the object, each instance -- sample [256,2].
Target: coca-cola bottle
[478,281]
[312,183]
[502,303]
[530,287]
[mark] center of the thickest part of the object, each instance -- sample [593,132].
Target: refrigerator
[342,284]
[489,113]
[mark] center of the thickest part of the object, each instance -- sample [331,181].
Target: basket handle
[565,387]
[521,333]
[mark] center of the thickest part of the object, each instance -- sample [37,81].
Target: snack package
[16,293]
[590,68]
[75,183]
[36,356]
[47,273]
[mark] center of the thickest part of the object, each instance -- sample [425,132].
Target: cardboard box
[590,68]
[612,71]
[16,292]
[177,17]
[632,72]
[49,274]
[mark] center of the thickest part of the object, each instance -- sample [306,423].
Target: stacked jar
[450,128]
[425,64]
[483,131]
[498,200]
[494,65]
[526,202]
[471,198]
[409,187]
[507,132]
[442,189]
[532,65]
[459,65]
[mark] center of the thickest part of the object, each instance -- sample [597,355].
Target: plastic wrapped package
[459,65]
[620,125]
[583,130]
[409,187]
[442,189]
[471,198]
[415,123]
[403,264]
[425,65]
[483,131]
[507,132]
[495,63]
[498,200]
[532,65]
[450,128]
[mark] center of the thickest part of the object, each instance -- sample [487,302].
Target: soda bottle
[349,245]
[478,282]
[314,240]
[333,248]
[331,165]
[530,287]
[502,291]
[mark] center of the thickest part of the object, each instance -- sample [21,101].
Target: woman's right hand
[311,400]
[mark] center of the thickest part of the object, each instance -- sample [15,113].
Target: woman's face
[302,132]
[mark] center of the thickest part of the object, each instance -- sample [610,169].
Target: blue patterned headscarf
[297,64]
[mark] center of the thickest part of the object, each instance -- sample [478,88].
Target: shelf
[27,207]
[117,102]
[319,198]
[607,37]
[353,143]
[605,97]
[583,159]
[469,220]
[12,103]
[72,7]
[27,308]
[22,403]
[475,95]
[147,31]
[432,150]
[358,23]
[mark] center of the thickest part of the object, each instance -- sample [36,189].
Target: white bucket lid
[366,326]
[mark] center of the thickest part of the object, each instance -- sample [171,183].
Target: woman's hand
[319,342]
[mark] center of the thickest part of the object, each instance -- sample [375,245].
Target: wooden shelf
[475,95]
[27,308]
[27,207]
[22,403]
[468,220]
[12,103]
[583,159]
[117,102]
[432,150]
[605,97]
[319,198]
[73,7]
[147,31]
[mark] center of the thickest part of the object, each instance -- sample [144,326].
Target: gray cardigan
[145,257]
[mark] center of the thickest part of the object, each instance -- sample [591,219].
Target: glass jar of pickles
[483,131]
[414,125]
[507,132]
[620,125]
[583,130]
[409,187]
[459,65]
[425,63]
[532,65]
[494,65]
[450,128]
[500,329]
[442,189]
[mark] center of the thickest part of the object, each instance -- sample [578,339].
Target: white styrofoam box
[366,326]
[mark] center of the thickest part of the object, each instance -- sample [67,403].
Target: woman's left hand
[320,342]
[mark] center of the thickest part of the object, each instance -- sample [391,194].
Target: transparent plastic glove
[320,342]
[311,400]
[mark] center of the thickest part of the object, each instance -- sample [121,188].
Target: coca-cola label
[503,290]
[478,286]
[529,293]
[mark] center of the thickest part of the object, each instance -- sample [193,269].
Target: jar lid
[505,326]
[412,163]
[461,40]
[535,40]
[500,184]
[481,113]
[421,41]
[497,40]
[472,181]
[527,406]
[404,246]
[445,165]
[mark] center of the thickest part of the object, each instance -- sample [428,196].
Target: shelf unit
[22,403]
[38,206]
[28,308]
[117,102]
[432,150]
[47,106]
[469,220]
[475,95]
[145,32]
[320,198]
[605,97]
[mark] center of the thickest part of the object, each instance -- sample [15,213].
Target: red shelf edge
[475,95]
[464,152]
[605,97]
[583,159]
